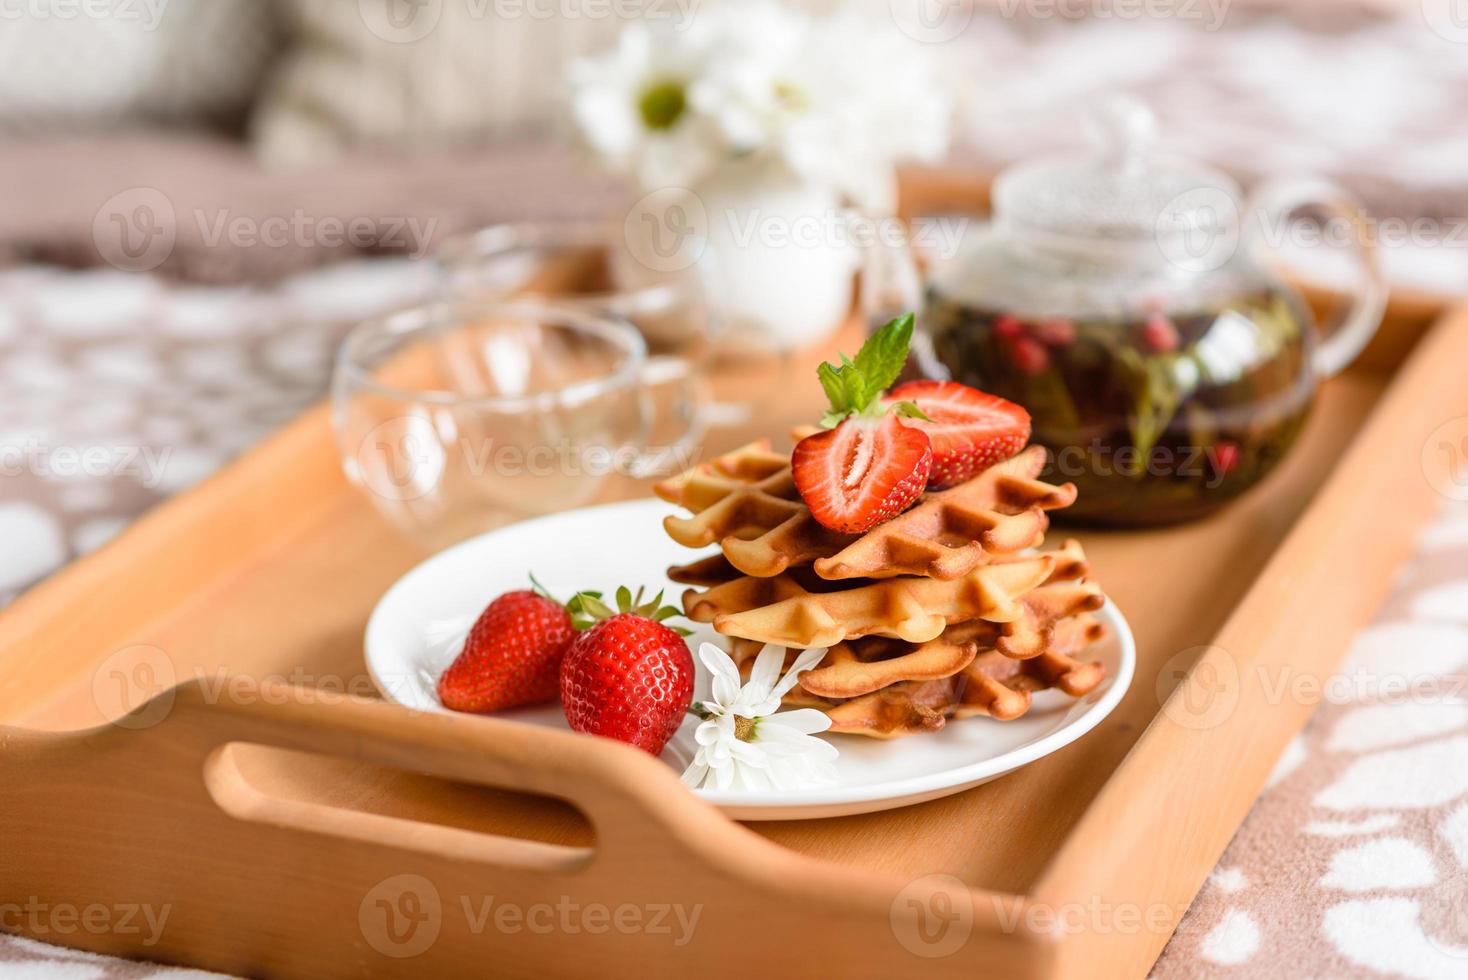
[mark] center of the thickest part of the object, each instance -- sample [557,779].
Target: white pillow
[73,63]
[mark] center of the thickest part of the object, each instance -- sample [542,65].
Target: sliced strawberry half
[970,430]
[864,471]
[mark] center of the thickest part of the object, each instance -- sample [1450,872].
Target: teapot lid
[1121,199]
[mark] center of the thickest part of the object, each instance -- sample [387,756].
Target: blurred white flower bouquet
[754,128]
[839,100]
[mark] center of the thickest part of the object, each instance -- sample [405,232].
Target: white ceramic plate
[418,626]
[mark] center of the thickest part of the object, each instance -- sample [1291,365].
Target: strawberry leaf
[541,590]
[587,608]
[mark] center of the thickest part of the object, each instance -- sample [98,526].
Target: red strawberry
[1008,327]
[861,473]
[511,657]
[1055,331]
[628,676]
[1159,334]
[970,430]
[866,467]
[1028,355]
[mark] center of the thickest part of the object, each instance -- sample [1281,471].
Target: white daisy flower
[743,743]
[839,99]
[631,106]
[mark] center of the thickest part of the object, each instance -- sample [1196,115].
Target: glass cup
[459,417]
[585,265]
[678,309]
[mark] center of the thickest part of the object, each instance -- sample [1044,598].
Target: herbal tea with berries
[1158,418]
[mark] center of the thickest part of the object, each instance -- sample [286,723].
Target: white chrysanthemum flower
[743,743]
[840,100]
[631,106]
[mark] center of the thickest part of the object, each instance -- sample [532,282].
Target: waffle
[746,501]
[1002,687]
[952,532]
[991,684]
[859,667]
[789,612]
[1064,594]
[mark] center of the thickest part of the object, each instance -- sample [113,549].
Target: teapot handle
[1353,328]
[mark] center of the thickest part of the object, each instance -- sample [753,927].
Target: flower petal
[766,671]
[804,662]
[695,773]
[724,671]
[757,780]
[707,732]
[806,720]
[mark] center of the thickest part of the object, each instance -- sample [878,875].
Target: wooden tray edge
[1383,464]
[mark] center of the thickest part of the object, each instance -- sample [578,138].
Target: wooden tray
[290,828]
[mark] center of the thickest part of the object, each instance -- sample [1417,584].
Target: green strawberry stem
[587,608]
[855,386]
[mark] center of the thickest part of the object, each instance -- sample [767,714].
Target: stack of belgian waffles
[945,611]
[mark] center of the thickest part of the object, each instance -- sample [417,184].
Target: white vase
[774,251]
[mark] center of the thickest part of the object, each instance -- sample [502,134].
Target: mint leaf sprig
[855,386]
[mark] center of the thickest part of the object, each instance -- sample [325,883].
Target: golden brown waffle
[746,501]
[788,612]
[990,684]
[704,573]
[859,667]
[909,708]
[1002,687]
[1063,595]
[951,532]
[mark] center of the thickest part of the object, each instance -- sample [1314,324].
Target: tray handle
[635,803]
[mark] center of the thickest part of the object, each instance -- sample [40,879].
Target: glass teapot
[1123,299]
